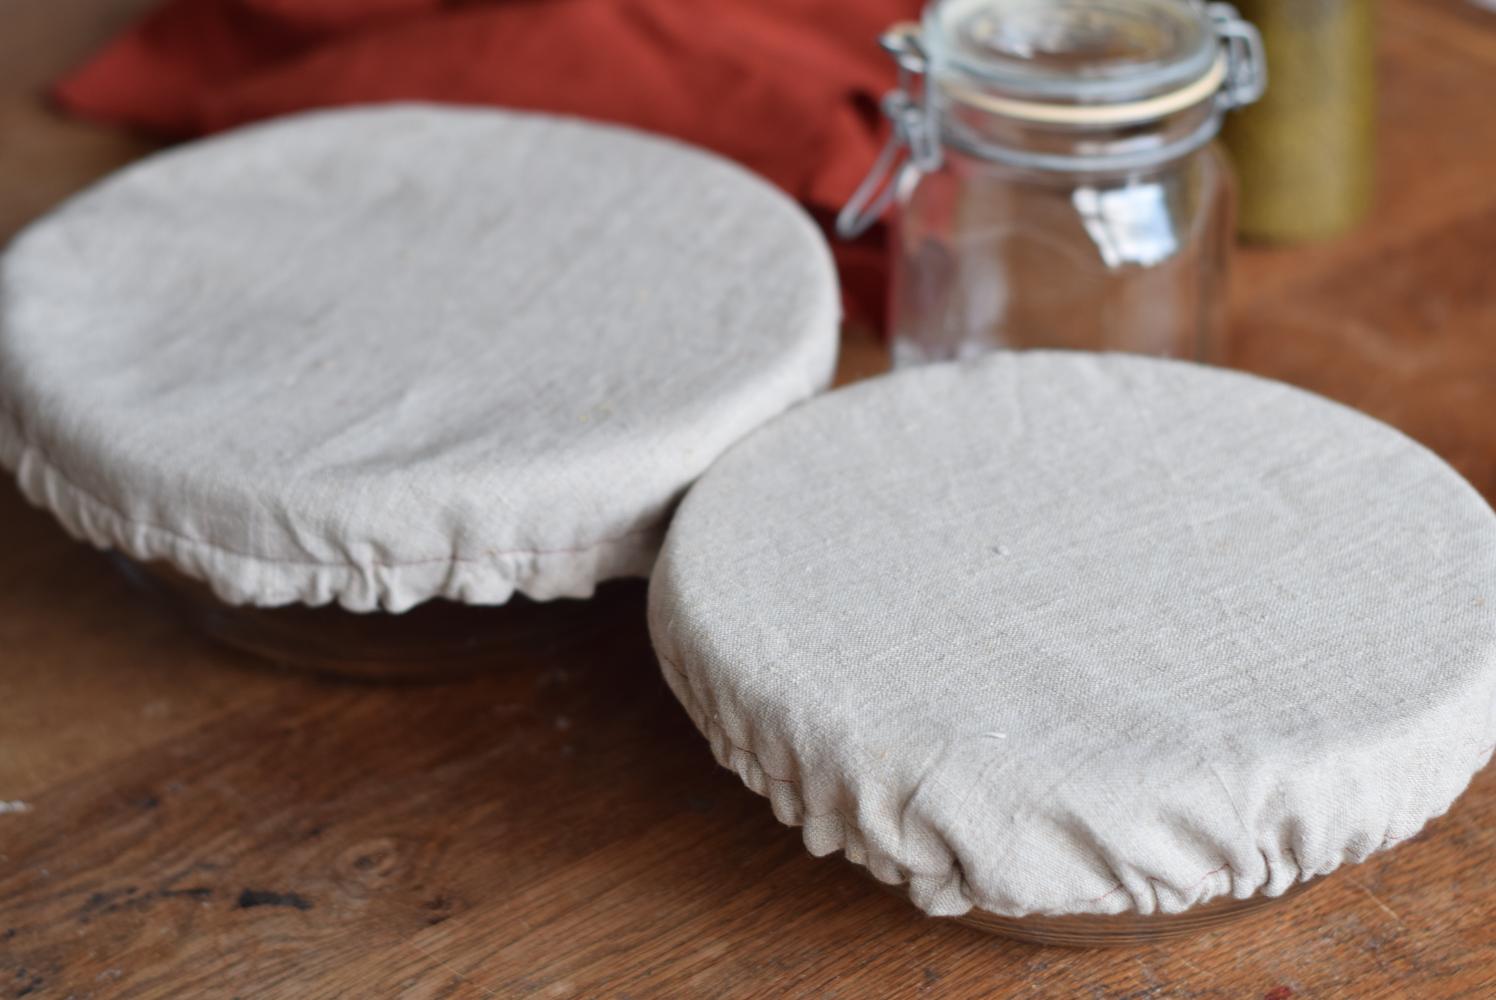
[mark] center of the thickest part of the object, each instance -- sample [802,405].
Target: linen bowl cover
[380,356]
[1067,634]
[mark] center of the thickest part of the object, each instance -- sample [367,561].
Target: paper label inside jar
[1129,225]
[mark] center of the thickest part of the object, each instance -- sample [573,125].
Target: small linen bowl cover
[1070,634]
[386,355]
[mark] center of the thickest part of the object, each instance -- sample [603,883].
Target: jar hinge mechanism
[914,142]
[1246,58]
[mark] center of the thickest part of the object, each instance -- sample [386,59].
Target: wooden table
[184,821]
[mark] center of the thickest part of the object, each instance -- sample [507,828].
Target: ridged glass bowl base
[1120,930]
[437,640]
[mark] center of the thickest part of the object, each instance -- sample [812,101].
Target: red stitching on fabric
[1110,892]
[1119,887]
[51,468]
[1158,882]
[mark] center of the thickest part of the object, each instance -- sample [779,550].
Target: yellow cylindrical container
[1306,152]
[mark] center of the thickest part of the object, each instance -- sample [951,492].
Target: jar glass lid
[1082,51]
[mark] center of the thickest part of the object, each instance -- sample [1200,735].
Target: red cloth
[788,88]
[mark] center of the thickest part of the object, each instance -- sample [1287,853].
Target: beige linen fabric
[385,355]
[1069,633]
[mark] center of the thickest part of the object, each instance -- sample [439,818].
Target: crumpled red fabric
[789,88]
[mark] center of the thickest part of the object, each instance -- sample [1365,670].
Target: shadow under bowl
[437,640]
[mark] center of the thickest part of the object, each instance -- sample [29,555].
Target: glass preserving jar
[1054,178]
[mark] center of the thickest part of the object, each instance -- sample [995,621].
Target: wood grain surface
[179,820]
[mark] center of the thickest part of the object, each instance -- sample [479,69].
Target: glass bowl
[436,640]
[1123,929]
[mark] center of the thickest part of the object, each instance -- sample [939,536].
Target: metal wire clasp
[914,143]
[1246,59]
